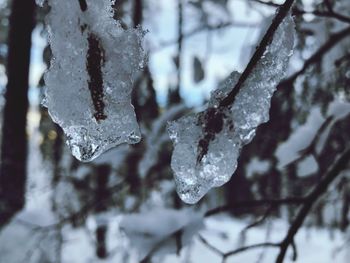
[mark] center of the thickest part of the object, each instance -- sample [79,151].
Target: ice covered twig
[89,83]
[207,144]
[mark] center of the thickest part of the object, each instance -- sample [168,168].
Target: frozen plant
[89,83]
[207,144]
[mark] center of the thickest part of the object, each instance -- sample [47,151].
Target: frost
[207,144]
[88,86]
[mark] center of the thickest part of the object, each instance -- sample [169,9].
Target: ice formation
[207,144]
[89,83]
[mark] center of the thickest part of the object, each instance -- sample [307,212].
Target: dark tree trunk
[138,16]
[174,94]
[14,138]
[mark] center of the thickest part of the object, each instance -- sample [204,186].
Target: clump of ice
[89,83]
[207,144]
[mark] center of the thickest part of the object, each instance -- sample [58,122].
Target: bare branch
[255,203]
[210,246]
[318,55]
[315,194]
[243,249]
[328,14]
[236,251]
[260,220]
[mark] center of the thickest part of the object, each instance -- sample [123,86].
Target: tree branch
[210,246]
[296,11]
[242,249]
[319,13]
[255,203]
[318,55]
[267,39]
[315,194]
[236,251]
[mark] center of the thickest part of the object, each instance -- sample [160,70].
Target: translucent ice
[89,83]
[207,144]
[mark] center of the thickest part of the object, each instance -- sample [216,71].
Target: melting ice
[89,83]
[207,144]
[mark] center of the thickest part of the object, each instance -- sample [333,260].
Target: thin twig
[318,55]
[210,246]
[268,37]
[255,203]
[243,249]
[296,11]
[311,148]
[201,29]
[236,251]
[261,219]
[319,13]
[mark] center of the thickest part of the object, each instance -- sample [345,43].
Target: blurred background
[123,206]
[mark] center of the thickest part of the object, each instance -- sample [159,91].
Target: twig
[202,28]
[319,13]
[236,251]
[92,203]
[296,11]
[260,220]
[318,55]
[311,148]
[268,37]
[242,249]
[255,203]
[295,251]
[315,194]
[159,244]
[210,246]
[272,4]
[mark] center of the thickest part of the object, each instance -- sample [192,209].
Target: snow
[257,166]
[153,231]
[289,151]
[307,166]
[207,144]
[23,243]
[314,245]
[303,135]
[89,83]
